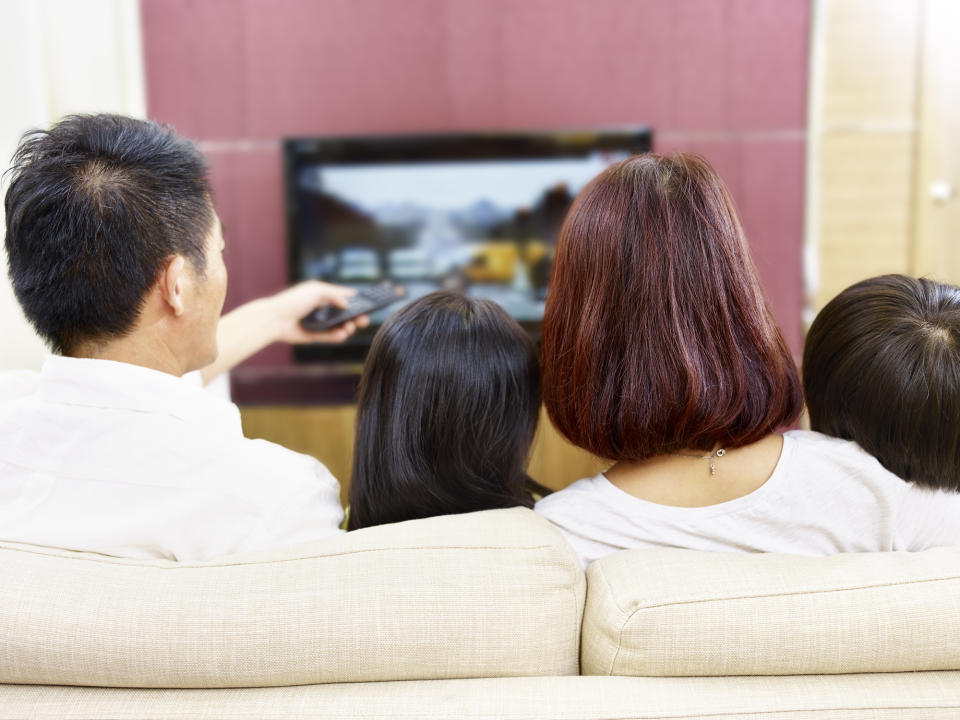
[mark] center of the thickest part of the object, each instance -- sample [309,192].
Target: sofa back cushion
[486,594]
[683,613]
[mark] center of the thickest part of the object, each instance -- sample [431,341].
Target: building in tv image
[486,226]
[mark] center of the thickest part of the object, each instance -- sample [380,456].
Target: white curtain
[60,57]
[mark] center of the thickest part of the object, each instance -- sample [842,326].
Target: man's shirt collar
[110,384]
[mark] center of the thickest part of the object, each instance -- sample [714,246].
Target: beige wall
[60,57]
[884,118]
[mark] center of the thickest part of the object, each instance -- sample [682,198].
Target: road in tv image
[487,229]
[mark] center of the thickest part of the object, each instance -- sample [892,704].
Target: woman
[661,354]
[448,407]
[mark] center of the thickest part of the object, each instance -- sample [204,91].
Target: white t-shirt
[824,496]
[123,460]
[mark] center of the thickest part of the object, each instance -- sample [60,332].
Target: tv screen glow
[475,214]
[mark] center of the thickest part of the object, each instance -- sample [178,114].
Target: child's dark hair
[881,366]
[447,411]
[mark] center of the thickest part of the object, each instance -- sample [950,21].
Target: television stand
[310,384]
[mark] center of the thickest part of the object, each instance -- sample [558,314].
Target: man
[114,253]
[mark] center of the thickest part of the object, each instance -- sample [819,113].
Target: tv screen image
[478,215]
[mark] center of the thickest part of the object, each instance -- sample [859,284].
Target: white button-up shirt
[123,460]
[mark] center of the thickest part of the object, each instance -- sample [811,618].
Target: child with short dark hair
[881,366]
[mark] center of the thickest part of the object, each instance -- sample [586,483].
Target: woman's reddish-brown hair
[657,336]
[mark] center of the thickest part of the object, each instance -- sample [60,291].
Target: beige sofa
[479,615]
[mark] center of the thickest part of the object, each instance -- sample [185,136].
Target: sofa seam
[578,614]
[774,711]
[176,565]
[623,624]
[740,713]
[852,588]
[575,715]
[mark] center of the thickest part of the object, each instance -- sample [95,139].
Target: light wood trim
[936,230]
[861,159]
[864,207]
[555,462]
[870,53]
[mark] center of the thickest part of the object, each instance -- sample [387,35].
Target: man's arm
[251,327]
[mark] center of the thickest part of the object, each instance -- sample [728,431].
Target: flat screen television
[475,212]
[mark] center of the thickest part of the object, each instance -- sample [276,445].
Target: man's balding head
[95,209]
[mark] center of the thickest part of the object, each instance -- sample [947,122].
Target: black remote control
[365,301]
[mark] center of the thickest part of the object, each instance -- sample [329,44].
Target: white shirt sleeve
[928,519]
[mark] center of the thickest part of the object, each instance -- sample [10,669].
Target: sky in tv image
[509,184]
[485,227]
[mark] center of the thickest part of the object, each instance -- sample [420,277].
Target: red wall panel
[724,77]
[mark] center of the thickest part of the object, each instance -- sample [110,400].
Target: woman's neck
[684,478]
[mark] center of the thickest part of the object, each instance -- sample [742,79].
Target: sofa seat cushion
[918,696]
[681,612]
[486,594]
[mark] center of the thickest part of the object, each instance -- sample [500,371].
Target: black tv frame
[379,149]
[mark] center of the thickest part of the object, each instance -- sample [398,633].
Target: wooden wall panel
[556,463]
[865,221]
[936,230]
[885,142]
[869,73]
[862,142]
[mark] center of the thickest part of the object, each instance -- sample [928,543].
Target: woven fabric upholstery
[487,594]
[682,613]
[917,696]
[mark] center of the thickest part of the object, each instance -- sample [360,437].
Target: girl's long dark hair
[447,410]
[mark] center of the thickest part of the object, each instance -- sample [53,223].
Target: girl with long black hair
[447,411]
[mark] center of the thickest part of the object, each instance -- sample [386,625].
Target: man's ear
[172,282]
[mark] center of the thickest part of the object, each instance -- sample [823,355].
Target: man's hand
[290,305]
[253,326]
